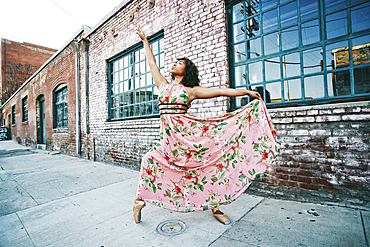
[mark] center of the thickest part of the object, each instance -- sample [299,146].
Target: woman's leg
[139,203]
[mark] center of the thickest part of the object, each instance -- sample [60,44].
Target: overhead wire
[67,12]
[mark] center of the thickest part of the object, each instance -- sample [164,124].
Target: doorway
[9,127]
[40,118]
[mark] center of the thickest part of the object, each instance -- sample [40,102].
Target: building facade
[309,59]
[42,112]
[19,60]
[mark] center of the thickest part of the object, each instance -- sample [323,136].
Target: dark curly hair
[191,73]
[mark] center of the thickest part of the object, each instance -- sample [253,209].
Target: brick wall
[59,70]
[324,154]
[195,29]
[18,62]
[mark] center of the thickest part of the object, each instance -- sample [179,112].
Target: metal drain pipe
[76,48]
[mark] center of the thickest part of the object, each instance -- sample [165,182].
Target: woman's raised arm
[205,93]
[159,80]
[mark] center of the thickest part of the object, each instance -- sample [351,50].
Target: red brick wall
[18,62]
[60,70]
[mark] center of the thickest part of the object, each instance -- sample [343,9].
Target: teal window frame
[61,106]
[308,72]
[132,92]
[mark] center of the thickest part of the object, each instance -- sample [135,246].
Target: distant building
[19,60]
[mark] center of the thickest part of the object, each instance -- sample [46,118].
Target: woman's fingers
[140,33]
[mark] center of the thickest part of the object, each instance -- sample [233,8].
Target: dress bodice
[173,99]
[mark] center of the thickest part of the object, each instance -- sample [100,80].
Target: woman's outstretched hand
[255,94]
[141,34]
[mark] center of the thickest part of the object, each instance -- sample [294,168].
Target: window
[60,107]
[298,52]
[132,91]
[24,109]
[13,114]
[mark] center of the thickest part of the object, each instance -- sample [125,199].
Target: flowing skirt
[201,163]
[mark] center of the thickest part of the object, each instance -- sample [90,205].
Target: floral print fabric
[201,163]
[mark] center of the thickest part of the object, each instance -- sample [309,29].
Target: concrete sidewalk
[59,200]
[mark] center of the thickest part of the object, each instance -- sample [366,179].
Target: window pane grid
[133,93]
[61,107]
[295,51]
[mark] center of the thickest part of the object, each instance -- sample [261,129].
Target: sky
[50,23]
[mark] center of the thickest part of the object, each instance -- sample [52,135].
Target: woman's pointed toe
[220,216]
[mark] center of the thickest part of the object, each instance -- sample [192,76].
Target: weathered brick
[316,139]
[322,147]
[355,117]
[320,132]
[299,145]
[335,140]
[339,110]
[291,113]
[301,179]
[276,114]
[282,176]
[346,132]
[282,120]
[306,173]
[303,119]
[309,186]
[365,109]
[321,181]
[304,159]
[325,112]
[312,112]
[328,118]
[298,132]
[291,184]
[353,109]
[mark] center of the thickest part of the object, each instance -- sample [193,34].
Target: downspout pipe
[85,49]
[76,47]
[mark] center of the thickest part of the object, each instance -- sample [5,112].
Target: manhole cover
[171,227]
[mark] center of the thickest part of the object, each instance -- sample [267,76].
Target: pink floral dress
[201,163]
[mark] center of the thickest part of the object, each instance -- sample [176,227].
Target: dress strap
[172,110]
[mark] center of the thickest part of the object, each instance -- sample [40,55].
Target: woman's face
[178,68]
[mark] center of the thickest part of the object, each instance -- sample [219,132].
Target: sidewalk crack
[24,227]
[27,193]
[363,227]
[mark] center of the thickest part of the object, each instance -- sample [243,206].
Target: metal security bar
[299,52]
[133,93]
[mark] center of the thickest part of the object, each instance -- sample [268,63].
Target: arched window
[60,106]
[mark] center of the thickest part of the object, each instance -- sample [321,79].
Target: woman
[200,163]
